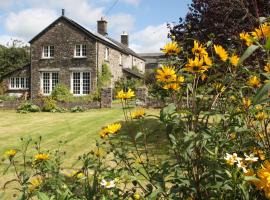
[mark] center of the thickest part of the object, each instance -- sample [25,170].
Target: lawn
[80,130]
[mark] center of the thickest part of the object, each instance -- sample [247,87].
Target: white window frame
[81,47]
[121,59]
[48,56]
[107,54]
[18,86]
[50,82]
[81,83]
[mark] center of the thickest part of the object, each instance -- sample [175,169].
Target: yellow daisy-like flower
[262,32]
[246,102]
[264,176]
[181,79]
[261,116]
[219,87]
[136,196]
[125,95]
[199,50]
[35,183]
[208,61]
[166,74]
[247,38]
[42,156]
[267,68]
[254,82]
[234,60]
[171,86]
[110,129]
[137,114]
[171,48]
[221,52]
[196,65]
[11,153]
[203,77]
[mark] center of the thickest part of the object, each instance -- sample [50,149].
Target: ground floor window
[80,83]
[48,81]
[19,83]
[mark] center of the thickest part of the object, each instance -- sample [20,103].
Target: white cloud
[149,40]
[121,22]
[7,40]
[29,22]
[6,3]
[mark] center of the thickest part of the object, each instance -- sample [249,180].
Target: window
[19,83]
[80,83]
[48,52]
[106,54]
[80,50]
[121,59]
[49,81]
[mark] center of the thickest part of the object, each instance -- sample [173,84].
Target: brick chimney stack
[102,27]
[124,38]
[63,12]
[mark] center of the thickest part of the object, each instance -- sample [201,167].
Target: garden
[210,141]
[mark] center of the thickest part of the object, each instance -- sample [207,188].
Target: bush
[27,107]
[49,104]
[61,93]
[77,109]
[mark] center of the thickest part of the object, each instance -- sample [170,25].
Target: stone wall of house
[63,37]
[131,61]
[106,98]
[113,62]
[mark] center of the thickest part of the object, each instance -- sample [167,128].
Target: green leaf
[262,94]
[267,44]
[43,196]
[138,135]
[250,50]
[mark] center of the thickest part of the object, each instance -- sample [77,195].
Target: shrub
[77,109]
[49,104]
[27,107]
[61,93]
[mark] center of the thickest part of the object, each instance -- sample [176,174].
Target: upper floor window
[19,83]
[106,53]
[80,50]
[48,52]
[121,59]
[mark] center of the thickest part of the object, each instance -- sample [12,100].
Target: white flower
[242,166]
[107,184]
[232,158]
[251,158]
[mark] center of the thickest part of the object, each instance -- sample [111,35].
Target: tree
[220,20]
[13,57]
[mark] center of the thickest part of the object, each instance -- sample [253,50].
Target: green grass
[80,130]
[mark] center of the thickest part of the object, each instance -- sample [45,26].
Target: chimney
[102,27]
[63,12]
[124,38]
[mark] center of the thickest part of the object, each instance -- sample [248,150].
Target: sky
[144,20]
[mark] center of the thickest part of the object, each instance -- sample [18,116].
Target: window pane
[17,83]
[76,83]
[78,50]
[84,50]
[12,82]
[55,79]
[45,51]
[22,82]
[51,51]
[86,82]
[46,83]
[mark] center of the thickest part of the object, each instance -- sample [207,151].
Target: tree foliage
[219,20]
[13,57]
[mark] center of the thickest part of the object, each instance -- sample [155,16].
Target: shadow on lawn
[156,137]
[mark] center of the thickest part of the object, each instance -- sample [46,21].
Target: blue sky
[144,20]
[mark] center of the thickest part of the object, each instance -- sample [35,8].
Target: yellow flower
[42,157]
[171,48]
[166,74]
[267,68]
[264,179]
[35,183]
[262,32]
[221,52]
[232,98]
[208,61]
[98,152]
[80,175]
[138,114]
[125,95]
[247,38]
[234,60]
[110,129]
[198,49]
[219,87]
[171,86]
[254,82]
[203,77]
[246,102]
[136,196]
[261,116]
[261,154]
[11,153]
[258,107]
[196,65]
[181,79]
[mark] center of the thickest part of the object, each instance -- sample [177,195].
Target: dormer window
[48,52]
[80,51]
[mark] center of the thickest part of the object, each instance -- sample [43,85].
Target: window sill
[21,89]
[79,57]
[47,58]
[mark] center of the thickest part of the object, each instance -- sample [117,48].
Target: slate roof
[106,40]
[27,67]
[133,72]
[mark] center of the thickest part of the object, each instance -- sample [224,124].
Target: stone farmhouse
[67,53]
